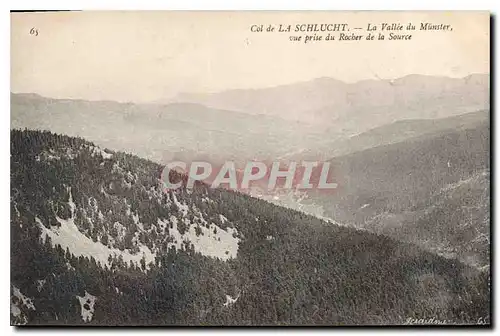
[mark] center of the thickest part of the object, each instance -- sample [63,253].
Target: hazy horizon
[169,100]
[150,56]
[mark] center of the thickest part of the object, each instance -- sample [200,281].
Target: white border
[491,5]
[255,5]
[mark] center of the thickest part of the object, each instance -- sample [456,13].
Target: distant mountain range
[158,131]
[270,123]
[356,107]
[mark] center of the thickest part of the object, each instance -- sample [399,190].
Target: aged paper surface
[250,168]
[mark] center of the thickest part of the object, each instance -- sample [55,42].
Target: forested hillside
[96,241]
[432,190]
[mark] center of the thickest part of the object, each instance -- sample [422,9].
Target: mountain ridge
[290,268]
[404,183]
[358,106]
[476,76]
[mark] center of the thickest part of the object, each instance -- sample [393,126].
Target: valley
[319,273]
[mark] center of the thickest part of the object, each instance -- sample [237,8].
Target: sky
[153,56]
